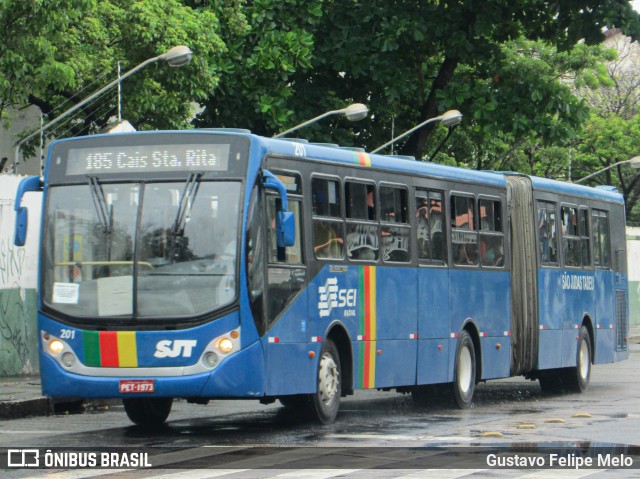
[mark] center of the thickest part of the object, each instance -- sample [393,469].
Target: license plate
[137,386]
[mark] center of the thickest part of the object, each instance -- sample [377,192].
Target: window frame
[495,233]
[548,206]
[397,225]
[336,220]
[363,223]
[472,231]
[444,260]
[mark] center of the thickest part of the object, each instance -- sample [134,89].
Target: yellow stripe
[372,303]
[372,326]
[372,364]
[127,350]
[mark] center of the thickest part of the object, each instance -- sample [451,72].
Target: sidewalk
[22,397]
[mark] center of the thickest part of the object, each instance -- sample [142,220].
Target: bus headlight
[221,347]
[225,345]
[56,346]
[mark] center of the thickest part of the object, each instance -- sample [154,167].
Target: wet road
[505,412]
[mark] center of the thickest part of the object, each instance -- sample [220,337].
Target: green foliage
[60,51]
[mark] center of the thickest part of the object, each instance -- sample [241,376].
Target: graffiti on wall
[18,342]
[18,297]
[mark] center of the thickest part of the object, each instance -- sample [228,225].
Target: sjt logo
[331,296]
[181,347]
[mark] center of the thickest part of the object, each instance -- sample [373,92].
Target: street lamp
[449,119]
[634,162]
[354,112]
[175,57]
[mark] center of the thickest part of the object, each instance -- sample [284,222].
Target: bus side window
[585,237]
[601,239]
[464,234]
[491,234]
[571,249]
[547,233]
[328,227]
[396,232]
[429,225]
[362,228]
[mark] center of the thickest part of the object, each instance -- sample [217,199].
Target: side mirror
[285,229]
[20,233]
[285,221]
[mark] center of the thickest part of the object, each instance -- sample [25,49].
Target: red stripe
[367,299]
[367,365]
[109,349]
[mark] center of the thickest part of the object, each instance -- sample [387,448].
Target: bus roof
[358,157]
[322,152]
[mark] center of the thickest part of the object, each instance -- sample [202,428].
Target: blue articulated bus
[219,264]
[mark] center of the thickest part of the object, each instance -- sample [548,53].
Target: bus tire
[464,377]
[294,401]
[326,401]
[577,379]
[148,412]
[551,382]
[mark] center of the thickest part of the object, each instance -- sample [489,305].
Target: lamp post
[634,162]
[354,112]
[175,57]
[448,118]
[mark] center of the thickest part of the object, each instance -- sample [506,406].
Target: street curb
[42,406]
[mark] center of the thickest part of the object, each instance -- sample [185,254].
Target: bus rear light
[56,346]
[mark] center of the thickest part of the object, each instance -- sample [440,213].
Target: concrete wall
[633,265]
[18,276]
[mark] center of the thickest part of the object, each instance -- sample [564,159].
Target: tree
[59,51]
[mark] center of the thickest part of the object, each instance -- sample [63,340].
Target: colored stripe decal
[109,349]
[363,159]
[367,373]
[91,348]
[127,350]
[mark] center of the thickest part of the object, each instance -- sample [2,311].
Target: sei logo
[332,296]
[173,349]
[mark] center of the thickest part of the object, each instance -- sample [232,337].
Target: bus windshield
[141,250]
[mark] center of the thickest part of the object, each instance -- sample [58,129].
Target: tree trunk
[415,145]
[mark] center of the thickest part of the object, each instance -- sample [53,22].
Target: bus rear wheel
[148,412]
[577,379]
[464,378]
[326,401]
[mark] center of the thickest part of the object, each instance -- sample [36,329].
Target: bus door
[289,369]
[433,326]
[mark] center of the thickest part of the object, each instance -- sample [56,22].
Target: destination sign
[148,158]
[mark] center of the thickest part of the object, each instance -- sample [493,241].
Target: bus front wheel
[464,379]
[148,412]
[326,401]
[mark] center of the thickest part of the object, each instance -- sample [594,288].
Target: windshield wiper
[105,213]
[189,193]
